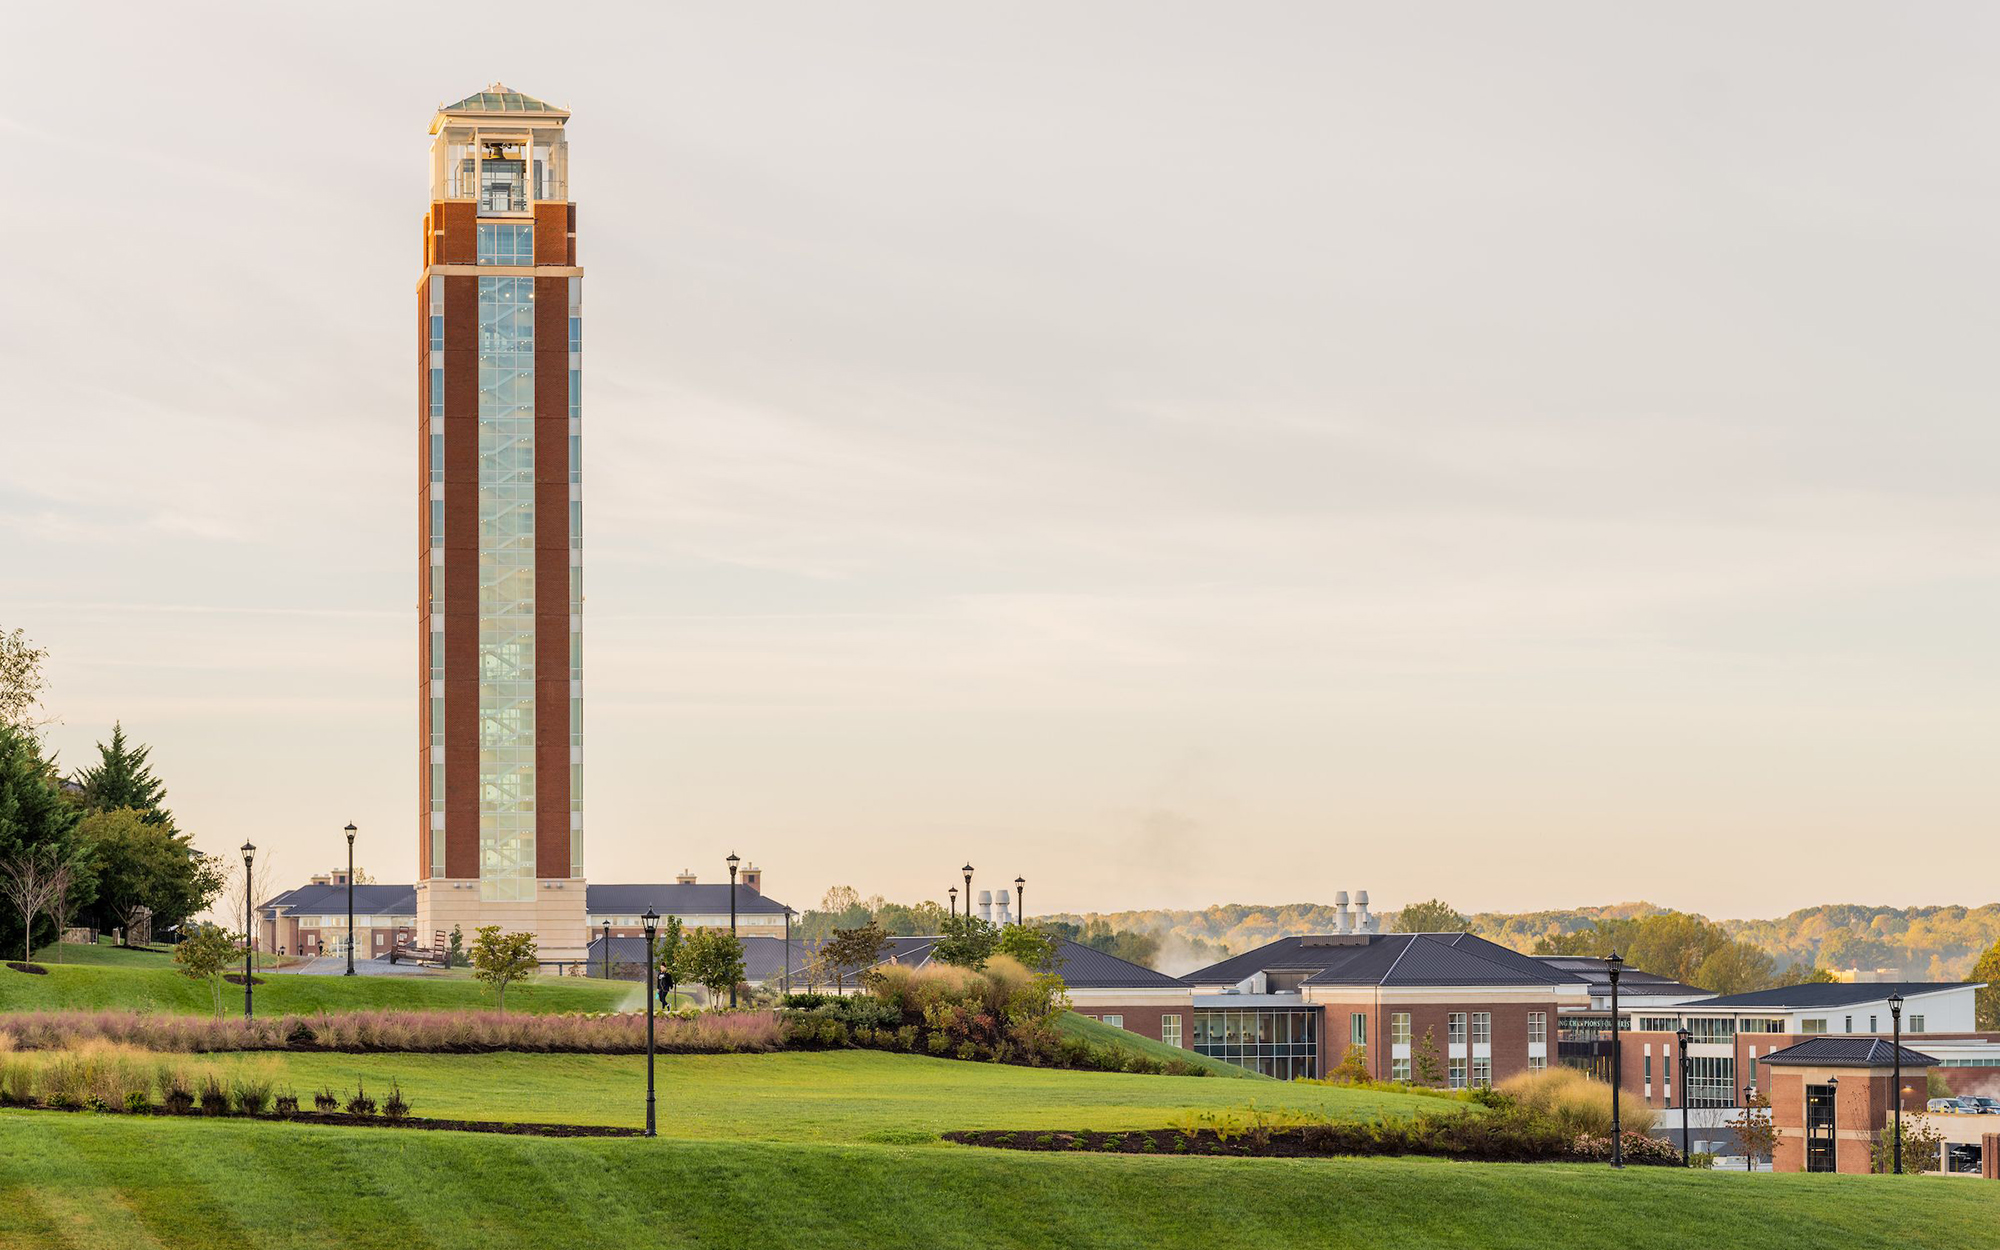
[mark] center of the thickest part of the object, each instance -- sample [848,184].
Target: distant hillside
[1921,943]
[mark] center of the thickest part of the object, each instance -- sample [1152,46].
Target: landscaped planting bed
[369,1032]
[1455,1137]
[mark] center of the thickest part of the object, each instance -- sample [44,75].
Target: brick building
[1831,1097]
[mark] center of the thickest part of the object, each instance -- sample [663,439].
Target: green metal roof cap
[499,98]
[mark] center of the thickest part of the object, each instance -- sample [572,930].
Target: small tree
[967,941]
[21,680]
[1986,999]
[667,945]
[1035,948]
[1754,1128]
[712,959]
[1432,916]
[206,956]
[455,953]
[1935,1086]
[1352,1068]
[1429,1067]
[31,881]
[859,948]
[1922,1142]
[500,959]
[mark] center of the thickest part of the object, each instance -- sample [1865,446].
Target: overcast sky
[1531,454]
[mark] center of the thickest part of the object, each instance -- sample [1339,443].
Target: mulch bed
[1275,1144]
[36,969]
[236,978]
[346,1120]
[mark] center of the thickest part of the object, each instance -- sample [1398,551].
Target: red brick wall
[1145,1021]
[552,226]
[552,592]
[1509,1035]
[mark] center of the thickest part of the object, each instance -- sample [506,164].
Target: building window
[1280,1043]
[1658,1024]
[1812,1026]
[1482,1028]
[437,457]
[1170,1029]
[437,390]
[576,457]
[576,392]
[1649,1068]
[1399,1028]
[1357,1028]
[1712,1028]
[506,243]
[1872,1026]
[437,720]
[1456,1074]
[1482,1073]
[1848,1024]
[1455,1028]
[1116,1022]
[437,523]
[1916,1024]
[1538,1026]
[1399,1070]
[1711,1081]
[1537,1063]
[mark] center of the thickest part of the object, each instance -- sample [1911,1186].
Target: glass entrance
[1819,1128]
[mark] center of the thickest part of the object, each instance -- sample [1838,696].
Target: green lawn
[81,1182]
[842,1095]
[162,988]
[1110,1035]
[107,955]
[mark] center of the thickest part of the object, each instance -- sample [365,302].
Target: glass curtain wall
[506,589]
[1283,1043]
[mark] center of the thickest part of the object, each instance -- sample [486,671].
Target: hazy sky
[1533,454]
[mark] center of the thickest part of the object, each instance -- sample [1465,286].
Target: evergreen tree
[122,778]
[34,819]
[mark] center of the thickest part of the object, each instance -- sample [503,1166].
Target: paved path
[336,965]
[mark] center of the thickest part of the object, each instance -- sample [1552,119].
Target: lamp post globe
[350,900]
[968,891]
[1613,965]
[1896,1089]
[732,861]
[249,853]
[652,922]
[1020,907]
[953,891]
[1686,1067]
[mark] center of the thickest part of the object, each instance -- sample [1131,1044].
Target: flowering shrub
[409,1031]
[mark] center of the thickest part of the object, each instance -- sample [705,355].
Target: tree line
[95,848]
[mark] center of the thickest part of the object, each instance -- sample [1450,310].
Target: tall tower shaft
[500,554]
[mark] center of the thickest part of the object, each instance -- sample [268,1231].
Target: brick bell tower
[500,529]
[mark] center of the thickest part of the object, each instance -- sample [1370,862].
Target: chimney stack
[1343,921]
[685,878]
[753,878]
[986,906]
[1003,901]
[1363,922]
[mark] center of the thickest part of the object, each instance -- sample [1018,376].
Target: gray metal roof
[327,900]
[763,957]
[673,899]
[1847,1052]
[1385,959]
[1831,994]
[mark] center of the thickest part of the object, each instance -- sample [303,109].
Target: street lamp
[1749,1108]
[1614,965]
[788,948]
[652,922]
[350,900]
[607,949]
[249,853]
[1896,1089]
[1687,1068]
[953,891]
[1020,908]
[968,891]
[732,861]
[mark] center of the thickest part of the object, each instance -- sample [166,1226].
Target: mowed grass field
[840,1095]
[81,1182]
[161,987]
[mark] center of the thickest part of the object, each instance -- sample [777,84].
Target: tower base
[557,916]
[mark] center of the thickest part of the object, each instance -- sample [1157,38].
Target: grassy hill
[841,1095]
[111,1182]
[1109,1035]
[161,988]
[107,955]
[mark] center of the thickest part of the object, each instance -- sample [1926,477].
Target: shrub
[326,1102]
[286,1103]
[214,1096]
[176,1088]
[136,1101]
[253,1095]
[360,1103]
[395,1106]
[1574,1103]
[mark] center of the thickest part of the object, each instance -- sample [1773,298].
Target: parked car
[1981,1104]
[1949,1106]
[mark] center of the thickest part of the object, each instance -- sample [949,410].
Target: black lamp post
[1614,965]
[607,949]
[1896,1089]
[350,901]
[968,891]
[249,853]
[732,861]
[953,891]
[1749,1109]
[788,948]
[652,922]
[1020,908]
[1687,1068]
